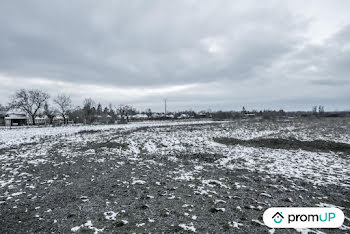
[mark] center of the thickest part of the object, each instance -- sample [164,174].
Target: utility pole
[165,99]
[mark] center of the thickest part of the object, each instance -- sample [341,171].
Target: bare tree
[2,108]
[244,111]
[88,110]
[125,110]
[64,103]
[122,110]
[148,112]
[49,112]
[321,109]
[29,101]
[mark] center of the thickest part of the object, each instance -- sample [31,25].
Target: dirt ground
[98,186]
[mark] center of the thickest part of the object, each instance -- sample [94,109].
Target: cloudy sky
[198,54]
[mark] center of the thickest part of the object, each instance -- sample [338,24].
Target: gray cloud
[240,45]
[150,43]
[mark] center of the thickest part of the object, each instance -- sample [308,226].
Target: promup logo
[303,217]
[278,217]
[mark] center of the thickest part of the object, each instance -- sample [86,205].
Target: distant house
[156,115]
[249,115]
[58,120]
[39,120]
[45,120]
[42,120]
[15,119]
[122,119]
[139,116]
[99,119]
[183,116]
[202,115]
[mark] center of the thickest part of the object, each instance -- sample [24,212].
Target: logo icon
[278,217]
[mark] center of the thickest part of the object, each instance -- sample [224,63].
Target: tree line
[35,103]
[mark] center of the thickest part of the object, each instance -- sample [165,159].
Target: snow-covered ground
[166,138]
[16,136]
[180,162]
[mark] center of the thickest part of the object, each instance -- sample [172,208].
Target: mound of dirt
[288,144]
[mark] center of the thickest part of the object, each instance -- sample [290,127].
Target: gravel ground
[93,182]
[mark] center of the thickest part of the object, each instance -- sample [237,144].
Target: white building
[16,119]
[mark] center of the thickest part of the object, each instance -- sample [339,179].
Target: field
[190,176]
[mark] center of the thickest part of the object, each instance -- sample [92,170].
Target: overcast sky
[198,54]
